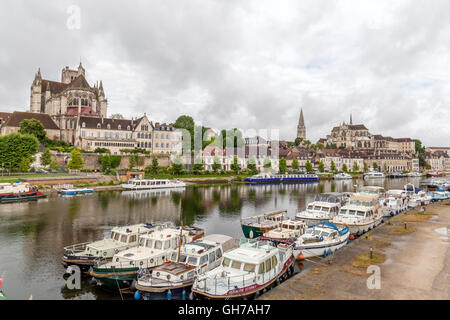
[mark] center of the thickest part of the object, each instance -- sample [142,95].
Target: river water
[32,235]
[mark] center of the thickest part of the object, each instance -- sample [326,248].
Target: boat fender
[300,257]
[183,295]
[116,250]
[169,295]
[93,281]
[133,285]
[137,295]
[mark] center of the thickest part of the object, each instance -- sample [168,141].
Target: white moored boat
[323,209]
[246,271]
[174,279]
[143,184]
[394,202]
[414,174]
[321,239]
[85,255]
[288,229]
[342,176]
[153,250]
[361,213]
[374,175]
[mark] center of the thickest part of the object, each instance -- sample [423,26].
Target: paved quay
[414,263]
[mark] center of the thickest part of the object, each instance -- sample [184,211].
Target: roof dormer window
[99,125]
[83,124]
[108,126]
[119,127]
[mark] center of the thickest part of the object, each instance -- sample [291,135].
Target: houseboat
[19,192]
[246,272]
[288,230]
[321,239]
[434,174]
[323,209]
[174,278]
[395,201]
[419,199]
[414,174]
[282,178]
[342,176]
[143,184]
[374,175]
[75,191]
[361,213]
[256,226]
[85,255]
[153,250]
[378,192]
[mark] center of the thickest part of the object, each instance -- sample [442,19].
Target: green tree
[177,166]
[332,166]
[308,166]
[76,160]
[24,164]
[385,167]
[282,165]
[14,147]
[298,141]
[295,164]
[321,166]
[252,165]
[374,166]
[344,168]
[235,166]
[187,124]
[101,150]
[366,167]
[54,164]
[33,127]
[154,168]
[198,165]
[355,167]
[216,164]
[46,157]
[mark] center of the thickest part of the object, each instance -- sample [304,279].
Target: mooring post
[371,253]
[405,226]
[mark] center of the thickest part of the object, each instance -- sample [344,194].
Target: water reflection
[32,235]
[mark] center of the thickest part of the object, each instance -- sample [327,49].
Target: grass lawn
[362,260]
[14,178]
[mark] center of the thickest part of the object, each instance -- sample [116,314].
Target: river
[32,235]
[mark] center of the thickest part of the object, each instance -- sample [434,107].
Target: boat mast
[179,242]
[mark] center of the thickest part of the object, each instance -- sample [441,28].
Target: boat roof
[132,228]
[174,268]
[371,188]
[247,254]
[146,180]
[292,222]
[362,197]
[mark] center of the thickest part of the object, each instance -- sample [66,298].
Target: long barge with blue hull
[282,178]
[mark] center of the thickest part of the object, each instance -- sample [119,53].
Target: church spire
[301,129]
[351,120]
[301,121]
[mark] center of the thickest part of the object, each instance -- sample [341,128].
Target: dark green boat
[22,198]
[255,226]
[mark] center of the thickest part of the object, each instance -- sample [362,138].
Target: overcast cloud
[245,64]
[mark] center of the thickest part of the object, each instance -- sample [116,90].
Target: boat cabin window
[360,213]
[236,265]
[274,261]
[351,212]
[192,261]
[309,231]
[113,234]
[317,208]
[116,237]
[191,274]
[212,257]
[149,243]
[261,268]
[174,256]
[316,232]
[268,265]
[158,244]
[123,239]
[325,209]
[324,234]
[333,234]
[218,253]
[174,242]
[132,238]
[203,259]
[226,262]
[166,244]
[310,207]
[249,267]
[183,258]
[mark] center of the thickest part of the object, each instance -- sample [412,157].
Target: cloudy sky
[245,64]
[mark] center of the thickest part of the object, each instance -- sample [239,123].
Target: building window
[119,127]
[108,126]
[99,125]
[128,128]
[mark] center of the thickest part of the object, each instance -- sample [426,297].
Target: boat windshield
[192,261]
[310,207]
[309,231]
[324,234]
[316,232]
[249,267]
[236,264]
[158,244]
[149,243]
[317,208]
[123,238]
[226,262]
[113,234]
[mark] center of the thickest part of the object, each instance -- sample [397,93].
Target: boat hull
[113,279]
[319,250]
[85,264]
[155,293]
[23,198]
[252,232]
[281,180]
[359,229]
[312,221]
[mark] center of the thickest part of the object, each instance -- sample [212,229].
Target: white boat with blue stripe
[76,191]
[321,239]
[282,178]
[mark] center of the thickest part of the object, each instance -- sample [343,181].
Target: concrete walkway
[417,265]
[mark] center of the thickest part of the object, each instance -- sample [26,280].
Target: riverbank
[414,263]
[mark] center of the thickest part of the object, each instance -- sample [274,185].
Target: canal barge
[174,279]
[246,272]
[75,191]
[143,184]
[153,250]
[86,255]
[282,178]
[323,209]
[19,192]
[321,239]
[256,226]
[361,213]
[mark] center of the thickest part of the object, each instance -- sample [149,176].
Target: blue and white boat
[76,191]
[282,178]
[437,195]
[321,239]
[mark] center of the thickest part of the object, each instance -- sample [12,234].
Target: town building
[11,123]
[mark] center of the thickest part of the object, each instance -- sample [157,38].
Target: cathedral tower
[301,129]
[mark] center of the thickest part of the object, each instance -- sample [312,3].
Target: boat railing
[219,283]
[75,248]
